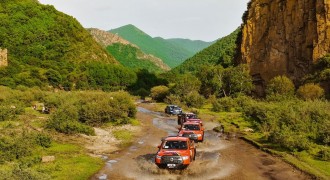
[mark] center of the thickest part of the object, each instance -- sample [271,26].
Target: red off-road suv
[175,152]
[189,128]
[195,120]
[183,117]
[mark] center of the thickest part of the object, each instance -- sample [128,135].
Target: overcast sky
[205,20]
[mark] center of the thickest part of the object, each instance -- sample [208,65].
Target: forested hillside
[128,54]
[133,57]
[220,53]
[172,53]
[192,45]
[47,47]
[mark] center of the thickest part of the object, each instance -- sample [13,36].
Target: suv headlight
[185,157]
[158,157]
[199,135]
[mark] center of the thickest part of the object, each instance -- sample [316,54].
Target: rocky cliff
[106,38]
[284,37]
[3,58]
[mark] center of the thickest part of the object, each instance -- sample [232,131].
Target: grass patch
[134,122]
[71,163]
[124,136]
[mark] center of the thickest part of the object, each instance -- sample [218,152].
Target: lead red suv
[175,152]
[192,128]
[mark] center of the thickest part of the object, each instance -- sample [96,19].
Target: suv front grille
[171,160]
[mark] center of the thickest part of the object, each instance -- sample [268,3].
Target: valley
[221,156]
[84,101]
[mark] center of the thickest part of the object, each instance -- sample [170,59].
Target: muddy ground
[218,157]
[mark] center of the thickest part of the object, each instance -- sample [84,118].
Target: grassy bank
[307,160]
[29,135]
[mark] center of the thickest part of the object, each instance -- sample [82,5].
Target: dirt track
[218,157]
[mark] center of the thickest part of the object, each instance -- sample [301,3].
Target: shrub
[43,140]
[310,91]
[280,86]
[224,104]
[324,154]
[10,110]
[142,93]
[15,147]
[98,108]
[159,93]
[173,99]
[194,99]
[65,120]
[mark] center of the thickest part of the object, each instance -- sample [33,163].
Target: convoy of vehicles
[177,152]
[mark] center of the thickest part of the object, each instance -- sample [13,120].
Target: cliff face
[3,58]
[106,38]
[284,37]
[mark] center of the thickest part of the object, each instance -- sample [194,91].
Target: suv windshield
[191,127]
[175,145]
[191,116]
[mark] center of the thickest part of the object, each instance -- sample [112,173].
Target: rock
[284,38]
[46,159]
[103,177]
[3,57]
[248,130]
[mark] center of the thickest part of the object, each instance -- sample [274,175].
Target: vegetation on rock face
[310,92]
[280,86]
[172,53]
[321,74]
[128,56]
[126,53]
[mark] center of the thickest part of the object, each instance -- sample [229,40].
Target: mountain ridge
[131,56]
[172,52]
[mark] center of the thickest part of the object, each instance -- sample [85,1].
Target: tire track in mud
[218,157]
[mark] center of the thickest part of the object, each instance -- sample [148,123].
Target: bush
[292,124]
[65,120]
[15,147]
[324,154]
[98,108]
[173,99]
[310,91]
[227,104]
[159,93]
[43,140]
[194,99]
[280,86]
[10,111]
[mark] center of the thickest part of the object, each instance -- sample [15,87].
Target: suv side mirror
[158,146]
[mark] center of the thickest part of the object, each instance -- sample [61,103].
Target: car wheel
[202,138]
[194,155]
[161,166]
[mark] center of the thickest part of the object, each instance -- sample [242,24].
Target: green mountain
[47,47]
[30,30]
[127,53]
[221,52]
[192,45]
[172,52]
